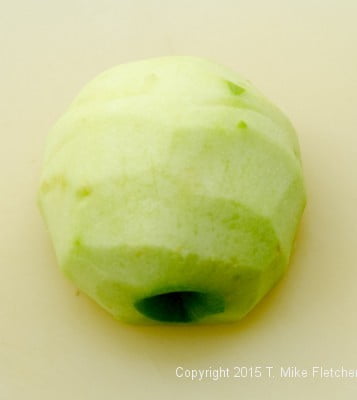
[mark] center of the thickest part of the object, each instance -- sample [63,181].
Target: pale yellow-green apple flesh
[172,190]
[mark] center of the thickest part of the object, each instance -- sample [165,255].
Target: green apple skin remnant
[172,190]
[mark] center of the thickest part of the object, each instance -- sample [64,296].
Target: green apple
[172,190]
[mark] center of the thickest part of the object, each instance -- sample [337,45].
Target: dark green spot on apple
[234,88]
[84,191]
[242,125]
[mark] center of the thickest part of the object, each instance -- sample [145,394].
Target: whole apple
[172,190]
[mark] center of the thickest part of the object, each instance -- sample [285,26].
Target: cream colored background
[55,344]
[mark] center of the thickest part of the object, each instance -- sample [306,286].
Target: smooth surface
[57,344]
